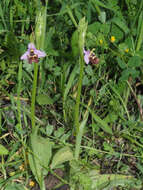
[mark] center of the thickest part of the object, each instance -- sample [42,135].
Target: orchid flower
[32,54]
[89,56]
[86,56]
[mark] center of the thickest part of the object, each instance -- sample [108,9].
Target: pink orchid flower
[89,56]
[32,54]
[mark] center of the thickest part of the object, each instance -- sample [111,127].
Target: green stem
[43,187]
[78,95]
[82,27]
[33,96]
[18,95]
[72,17]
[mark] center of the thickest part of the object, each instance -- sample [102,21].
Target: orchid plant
[33,55]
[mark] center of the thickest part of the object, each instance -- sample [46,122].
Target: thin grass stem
[18,95]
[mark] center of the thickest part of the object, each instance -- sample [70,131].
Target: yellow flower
[31,183]
[112,39]
[127,50]
[101,41]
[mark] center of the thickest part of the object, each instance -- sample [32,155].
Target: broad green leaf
[79,175]
[94,27]
[121,24]
[14,186]
[129,72]
[3,150]
[63,155]
[121,63]
[39,156]
[79,137]
[44,99]
[134,61]
[108,181]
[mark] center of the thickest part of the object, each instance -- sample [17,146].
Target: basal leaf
[63,155]
[40,156]
[109,181]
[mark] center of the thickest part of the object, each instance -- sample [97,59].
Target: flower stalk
[33,55]
[82,27]
[40,31]
[34,96]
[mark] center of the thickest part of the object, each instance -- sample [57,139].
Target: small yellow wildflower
[101,41]
[31,183]
[21,167]
[127,50]
[112,39]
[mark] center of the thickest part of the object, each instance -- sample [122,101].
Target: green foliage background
[110,141]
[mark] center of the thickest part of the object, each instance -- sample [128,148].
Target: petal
[31,46]
[86,59]
[40,53]
[25,56]
[86,52]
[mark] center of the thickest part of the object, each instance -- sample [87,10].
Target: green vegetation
[66,124]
